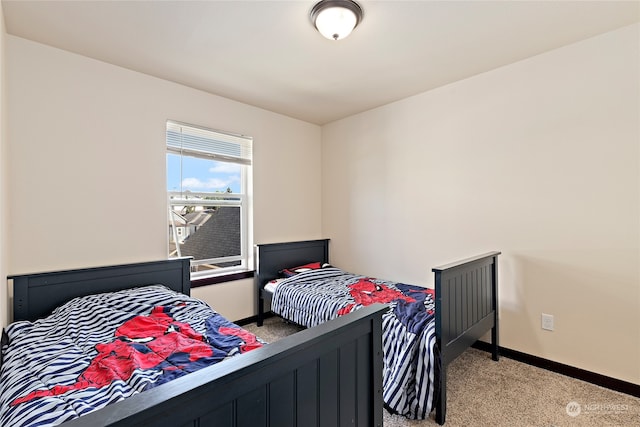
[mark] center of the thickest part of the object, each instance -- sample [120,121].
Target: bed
[461,309]
[325,376]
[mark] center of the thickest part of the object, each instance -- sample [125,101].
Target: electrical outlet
[547,322]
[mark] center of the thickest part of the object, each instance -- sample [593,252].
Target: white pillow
[272,284]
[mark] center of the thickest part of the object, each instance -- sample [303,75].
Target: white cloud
[211,184]
[225,168]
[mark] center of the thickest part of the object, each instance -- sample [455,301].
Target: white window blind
[201,142]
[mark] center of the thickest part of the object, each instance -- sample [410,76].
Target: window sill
[222,278]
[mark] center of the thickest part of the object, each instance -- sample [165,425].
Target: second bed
[423,329]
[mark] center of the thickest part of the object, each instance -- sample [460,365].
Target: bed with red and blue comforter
[99,349]
[422,330]
[319,294]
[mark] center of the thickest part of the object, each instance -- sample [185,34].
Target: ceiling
[268,54]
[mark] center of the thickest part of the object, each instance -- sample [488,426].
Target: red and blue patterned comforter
[100,349]
[317,296]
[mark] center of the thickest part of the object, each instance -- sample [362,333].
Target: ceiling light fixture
[335,19]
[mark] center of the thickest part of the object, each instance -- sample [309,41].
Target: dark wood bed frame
[329,376]
[466,300]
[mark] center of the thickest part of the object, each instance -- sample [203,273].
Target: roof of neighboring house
[198,218]
[219,236]
[177,219]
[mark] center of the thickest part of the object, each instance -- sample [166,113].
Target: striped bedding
[99,349]
[316,296]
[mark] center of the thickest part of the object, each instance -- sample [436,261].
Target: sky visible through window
[201,175]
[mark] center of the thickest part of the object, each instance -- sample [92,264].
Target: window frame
[241,200]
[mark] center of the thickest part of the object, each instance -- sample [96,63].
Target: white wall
[87,170]
[539,159]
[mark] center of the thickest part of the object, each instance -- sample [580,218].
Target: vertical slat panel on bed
[329,383]
[282,391]
[222,416]
[470,293]
[251,409]
[457,305]
[307,387]
[363,384]
[348,403]
[486,282]
[486,291]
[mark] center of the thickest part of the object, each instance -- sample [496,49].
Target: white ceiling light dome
[335,19]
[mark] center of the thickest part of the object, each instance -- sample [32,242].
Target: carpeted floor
[507,393]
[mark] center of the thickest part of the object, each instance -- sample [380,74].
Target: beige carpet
[507,393]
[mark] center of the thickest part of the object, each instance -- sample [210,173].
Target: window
[208,188]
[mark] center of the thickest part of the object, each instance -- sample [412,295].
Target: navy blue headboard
[36,295]
[273,257]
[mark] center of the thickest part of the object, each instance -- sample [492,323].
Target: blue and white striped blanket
[100,349]
[316,296]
